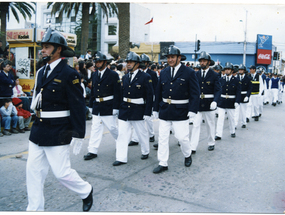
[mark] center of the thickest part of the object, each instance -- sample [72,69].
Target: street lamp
[244,43]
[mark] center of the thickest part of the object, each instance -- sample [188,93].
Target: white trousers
[181,132]
[249,108]
[261,104]
[274,95]
[124,137]
[150,129]
[209,117]
[57,157]
[243,110]
[255,99]
[237,110]
[221,120]
[97,129]
[280,94]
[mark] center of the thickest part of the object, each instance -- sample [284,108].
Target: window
[112,30]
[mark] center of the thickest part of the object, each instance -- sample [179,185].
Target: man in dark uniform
[60,120]
[137,102]
[145,66]
[177,99]
[210,89]
[229,101]
[105,102]
[246,88]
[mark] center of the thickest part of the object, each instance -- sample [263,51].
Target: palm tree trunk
[4,11]
[85,27]
[124,28]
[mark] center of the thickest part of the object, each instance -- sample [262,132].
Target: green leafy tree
[26,9]
[67,7]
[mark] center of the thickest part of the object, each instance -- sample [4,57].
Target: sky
[218,22]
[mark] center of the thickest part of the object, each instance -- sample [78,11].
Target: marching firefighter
[229,101]
[177,99]
[105,102]
[210,91]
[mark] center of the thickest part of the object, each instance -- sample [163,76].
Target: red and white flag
[149,21]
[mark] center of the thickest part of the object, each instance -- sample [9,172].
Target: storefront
[23,43]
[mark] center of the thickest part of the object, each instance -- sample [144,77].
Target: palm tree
[62,7]
[124,28]
[24,8]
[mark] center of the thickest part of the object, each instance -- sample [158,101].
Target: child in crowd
[18,93]
[9,115]
[24,116]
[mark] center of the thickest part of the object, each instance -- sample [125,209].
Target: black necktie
[228,79]
[131,76]
[203,74]
[46,72]
[172,72]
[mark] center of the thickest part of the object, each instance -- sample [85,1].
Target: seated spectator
[24,115]
[18,93]
[7,81]
[9,115]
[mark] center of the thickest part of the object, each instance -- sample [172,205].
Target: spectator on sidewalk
[18,93]
[9,115]
[24,116]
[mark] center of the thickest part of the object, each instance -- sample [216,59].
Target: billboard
[264,49]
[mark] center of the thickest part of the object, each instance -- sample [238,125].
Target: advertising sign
[263,56]
[264,42]
[26,35]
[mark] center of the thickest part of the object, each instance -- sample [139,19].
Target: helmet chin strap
[47,58]
[130,70]
[101,67]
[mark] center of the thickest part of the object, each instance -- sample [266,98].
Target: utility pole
[244,43]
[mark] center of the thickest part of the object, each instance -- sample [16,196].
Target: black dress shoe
[178,143]
[217,138]
[190,123]
[193,152]
[27,129]
[170,132]
[143,157]
[118,163]
[14,131]
[87,203]
[133,143]
[160,169]
[90,156]
[243,126]
[233,135]
[155,146]
[247,119]
[188,161]
[256,118]
[211,148]
[22,130]
[151,139]
[259,115]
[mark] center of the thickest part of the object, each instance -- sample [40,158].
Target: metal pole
[244,44]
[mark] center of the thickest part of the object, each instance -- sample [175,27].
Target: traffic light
[275,55]
[198,45]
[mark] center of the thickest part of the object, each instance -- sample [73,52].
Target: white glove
[145,117]
[213,106]
[115,112]
[191,114]
[236,104]
[155,114]
[77,144]
[245,99]
[90,110]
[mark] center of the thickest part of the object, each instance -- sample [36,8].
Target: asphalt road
[242,175]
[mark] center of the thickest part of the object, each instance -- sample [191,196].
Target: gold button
[53,90]
[170,90]
[202,87]
[226,89]
[129,106]
[171,83]
[130,86]
[98,84]
[129,93]
[202,82]
[170,97]
[98,90]
[41,120]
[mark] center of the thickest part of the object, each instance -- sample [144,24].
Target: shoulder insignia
[75,81]
[57,80]
[150,80]
[119,81]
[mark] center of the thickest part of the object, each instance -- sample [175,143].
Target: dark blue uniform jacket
[184,85]
[231,88]
[140,87]
[210,85]
[60,91]
[246,85]
[108,85]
